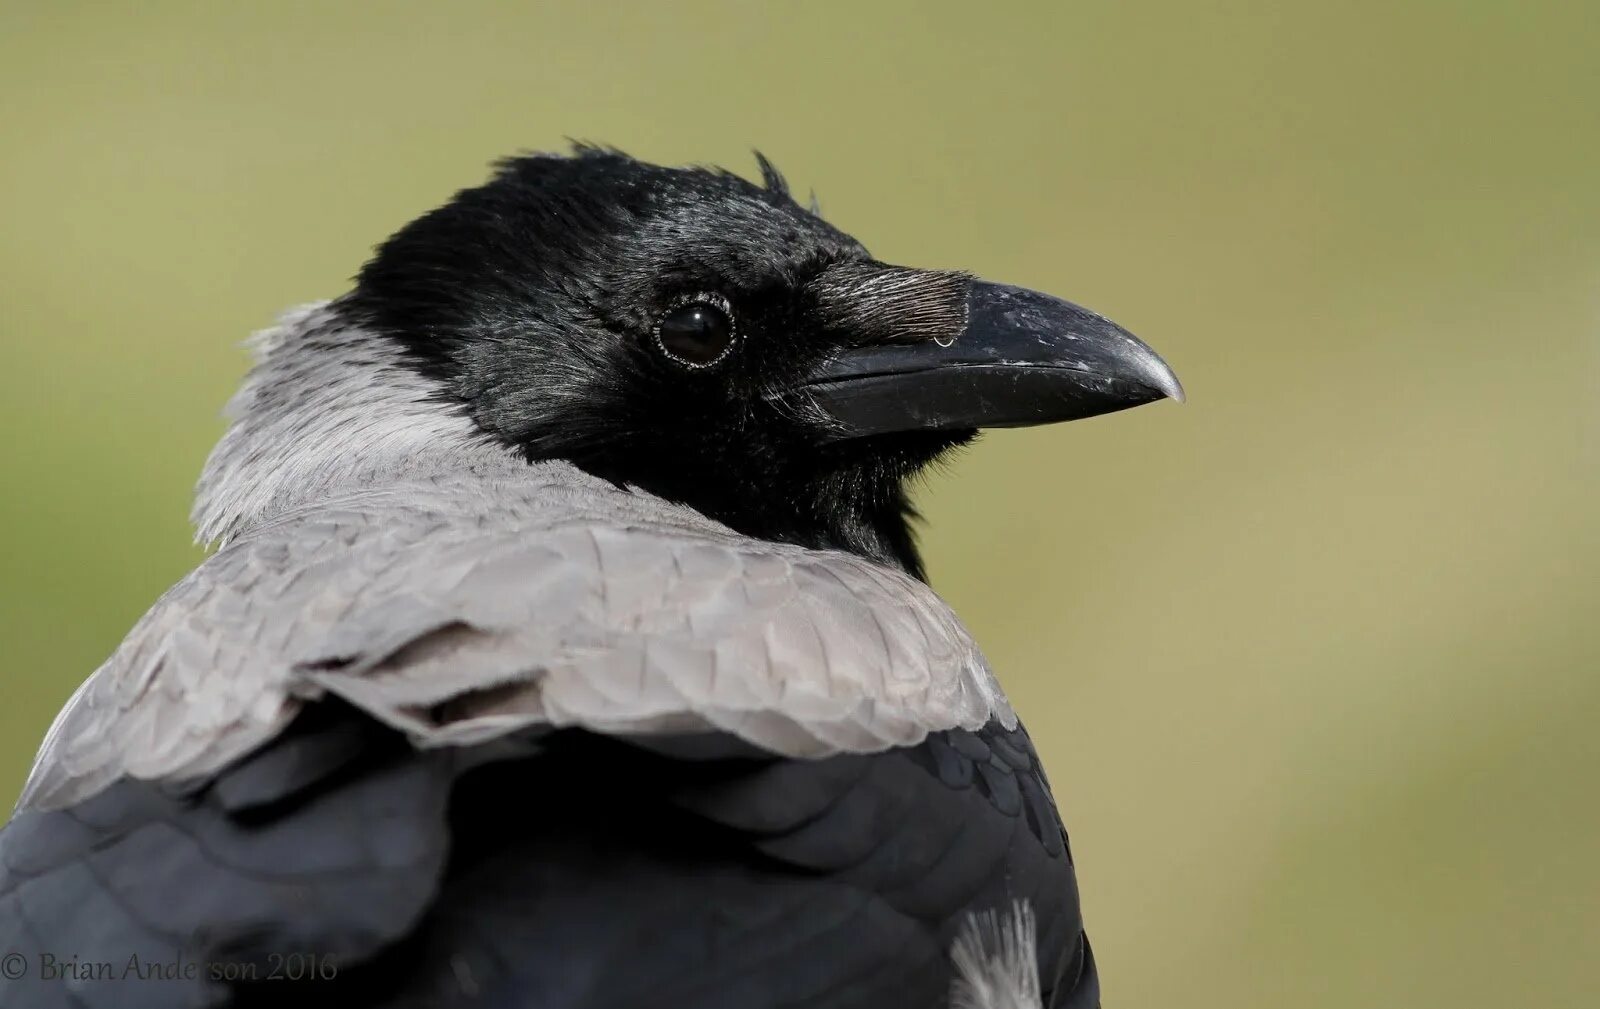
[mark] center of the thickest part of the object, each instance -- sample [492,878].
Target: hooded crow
[567,645]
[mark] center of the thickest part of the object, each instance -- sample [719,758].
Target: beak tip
[1173,388]
[1156,373]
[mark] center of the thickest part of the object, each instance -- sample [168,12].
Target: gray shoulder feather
[327,407]
[458,593]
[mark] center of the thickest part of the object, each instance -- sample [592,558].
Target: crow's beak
[1023,358]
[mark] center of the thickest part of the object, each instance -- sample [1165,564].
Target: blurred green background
[1312,659]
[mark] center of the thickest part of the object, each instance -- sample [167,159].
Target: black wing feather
[580,872]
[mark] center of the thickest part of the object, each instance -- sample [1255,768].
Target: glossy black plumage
[570,872]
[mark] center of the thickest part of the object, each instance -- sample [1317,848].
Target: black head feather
[537,298]
[771,178]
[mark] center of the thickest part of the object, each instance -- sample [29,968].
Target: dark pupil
[697,333]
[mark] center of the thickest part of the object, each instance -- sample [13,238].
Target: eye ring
[685,353]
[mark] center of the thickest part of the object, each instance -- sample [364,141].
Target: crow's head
[713,342]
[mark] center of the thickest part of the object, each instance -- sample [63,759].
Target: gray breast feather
[460,609]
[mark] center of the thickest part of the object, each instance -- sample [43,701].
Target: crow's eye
[697,333]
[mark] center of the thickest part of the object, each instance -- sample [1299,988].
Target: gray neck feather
[330,407]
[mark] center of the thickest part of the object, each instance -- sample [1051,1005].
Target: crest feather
[771,178]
